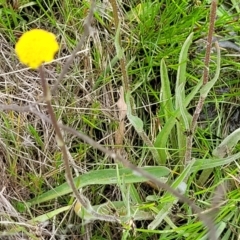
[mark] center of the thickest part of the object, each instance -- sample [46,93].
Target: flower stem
[188,154]
[85,203]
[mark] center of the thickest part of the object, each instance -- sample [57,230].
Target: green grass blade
[201,164]
[180,99]
[185,116]
[168,200]
[227,144]
[181,73]
[167,100]
[45,217]
[166,92]
[163,136]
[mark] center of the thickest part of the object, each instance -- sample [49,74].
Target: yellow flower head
[36,47]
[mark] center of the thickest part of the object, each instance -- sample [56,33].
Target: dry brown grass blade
[85,35]
[119,135]
[122,106]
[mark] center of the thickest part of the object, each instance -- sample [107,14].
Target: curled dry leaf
[122,106]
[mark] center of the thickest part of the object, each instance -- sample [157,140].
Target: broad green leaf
[118,47]
[181,72]
[201,164]
[180,97]
[104,176]
[167,100]
[180,106]
[185,116]
[163,136]
[227,144]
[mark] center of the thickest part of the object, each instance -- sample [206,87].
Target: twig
[188,154]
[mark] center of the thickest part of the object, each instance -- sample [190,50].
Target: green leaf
[201,164]
[163,136]
[207,87]
[227,144]
[166,92]
[167,100]
[49,215]
[180,105]
[134,120]
[104,176]
[181,73]
[183,123]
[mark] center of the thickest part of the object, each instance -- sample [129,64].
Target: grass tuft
[164,70]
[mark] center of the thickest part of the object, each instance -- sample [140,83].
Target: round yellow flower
[36,47]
